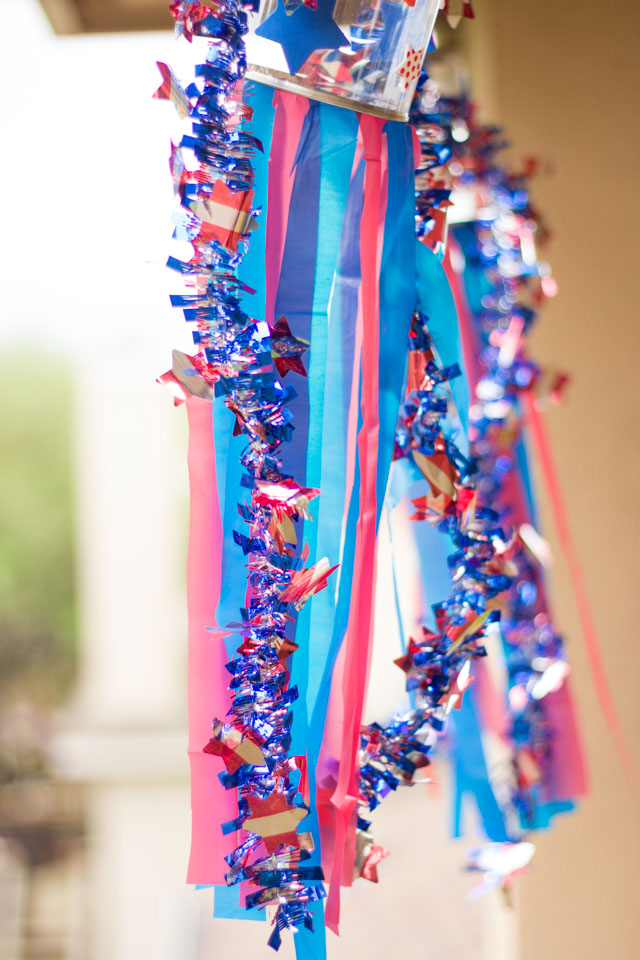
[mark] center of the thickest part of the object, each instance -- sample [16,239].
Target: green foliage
[37,617]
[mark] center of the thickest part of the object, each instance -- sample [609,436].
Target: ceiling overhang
[107,16]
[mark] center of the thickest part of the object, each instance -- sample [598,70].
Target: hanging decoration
[324,241]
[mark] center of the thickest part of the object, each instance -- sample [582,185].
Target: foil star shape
[409,69]
[303,31]
[274,820]
[287,349]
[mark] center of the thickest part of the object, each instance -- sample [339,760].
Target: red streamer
[210,802]
[357,642]
[592,644]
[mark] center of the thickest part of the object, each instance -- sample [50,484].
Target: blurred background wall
[93,778]
[562,78]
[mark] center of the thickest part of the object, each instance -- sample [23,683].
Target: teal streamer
[328,409]
[397,297]
[325,465]
[521,455]
[471,774]
[436,301]
[229,448]
[474,277]
[226,905]
[544,813]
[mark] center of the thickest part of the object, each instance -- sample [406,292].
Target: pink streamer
[334,720]
[580,591]
[207,679]
[566,779]
[470,347]
[357,642]
[568,775]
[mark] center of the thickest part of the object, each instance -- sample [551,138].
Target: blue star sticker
[302,32]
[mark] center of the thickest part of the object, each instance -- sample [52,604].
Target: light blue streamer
[226,905]
[521,455]
[436,301]
[328,413]
[471,774]
[544,813]
[397,297]
[476,283]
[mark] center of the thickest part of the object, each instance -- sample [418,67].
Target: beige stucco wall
[563,77]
